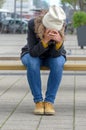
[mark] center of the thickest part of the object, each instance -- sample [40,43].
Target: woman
[45,48]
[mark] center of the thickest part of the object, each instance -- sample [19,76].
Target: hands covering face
[52,35]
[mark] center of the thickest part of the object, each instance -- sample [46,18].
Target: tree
[71,2]
[74,3]
[1,3]
[82,4]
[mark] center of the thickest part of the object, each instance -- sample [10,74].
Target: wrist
[58,45]
[44,43]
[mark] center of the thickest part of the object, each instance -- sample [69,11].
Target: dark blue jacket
[35,48]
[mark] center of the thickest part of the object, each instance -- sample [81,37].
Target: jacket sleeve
[34,44]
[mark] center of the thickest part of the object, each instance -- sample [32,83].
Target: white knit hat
[54,18]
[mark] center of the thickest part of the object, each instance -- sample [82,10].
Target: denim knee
[30,62]
[57,63]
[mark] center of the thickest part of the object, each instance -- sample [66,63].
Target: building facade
[26,5]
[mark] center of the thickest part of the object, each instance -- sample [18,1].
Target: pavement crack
[74,102]
[39,123]
[13,110]
[10,86]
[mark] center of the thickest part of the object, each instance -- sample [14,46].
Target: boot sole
[49,113]
[39,113]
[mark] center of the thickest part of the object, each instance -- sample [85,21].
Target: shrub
[79,19]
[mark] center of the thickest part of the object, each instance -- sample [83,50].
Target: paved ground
[16,105]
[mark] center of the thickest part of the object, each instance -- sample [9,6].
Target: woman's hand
[55,35]
[52,35]
[47,37]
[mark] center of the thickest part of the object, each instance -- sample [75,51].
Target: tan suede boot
[49,110]
[39,108]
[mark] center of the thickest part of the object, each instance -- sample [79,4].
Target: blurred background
[15,104]
[14,14]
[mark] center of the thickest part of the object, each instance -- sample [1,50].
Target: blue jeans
[34,79]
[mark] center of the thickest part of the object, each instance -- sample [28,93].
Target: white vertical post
[14,15]
[21,5]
